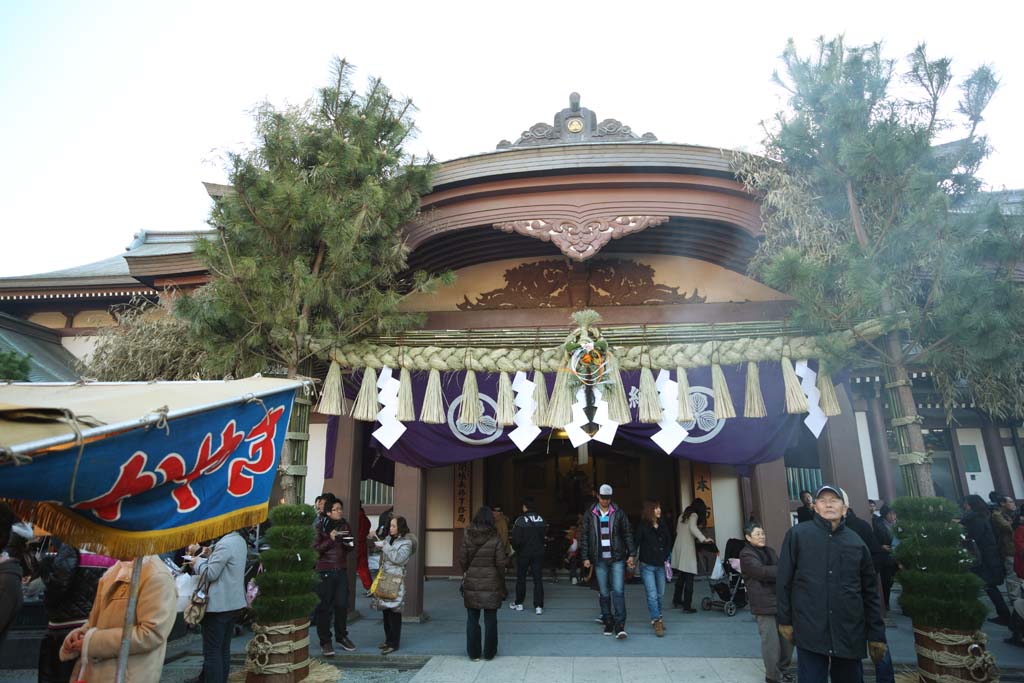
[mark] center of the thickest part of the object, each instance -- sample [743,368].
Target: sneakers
[620,632]
[516,607]
[326,649]
[347,644]
[387,649]
[539,610]
[608,630]
[659,628]
[598,620]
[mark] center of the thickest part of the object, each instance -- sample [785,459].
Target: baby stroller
[728,593]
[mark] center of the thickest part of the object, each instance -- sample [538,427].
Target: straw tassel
[685,407]
[432,412]
[615,395]
[540,396]
[560,407]
[829,402]
[332,398]
[469,411]
[506,401]
[650,404]
[796,401]
[365,408]
[406,409]
[724,408]
[753,401]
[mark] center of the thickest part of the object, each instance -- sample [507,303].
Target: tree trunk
[917,476]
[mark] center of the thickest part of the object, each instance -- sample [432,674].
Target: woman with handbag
[389,594]
[653,548]
[684,553]
[483,561]
[221,568]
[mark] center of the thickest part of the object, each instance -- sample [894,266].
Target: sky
[113,113]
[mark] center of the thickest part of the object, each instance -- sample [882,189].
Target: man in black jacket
[607,544]
[827,595]
[10,575]
[528,542]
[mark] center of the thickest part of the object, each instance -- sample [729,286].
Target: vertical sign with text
[702,487]
[463,484]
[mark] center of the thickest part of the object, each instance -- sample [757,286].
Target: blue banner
[155,489]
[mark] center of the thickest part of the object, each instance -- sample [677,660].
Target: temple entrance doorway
[563,480]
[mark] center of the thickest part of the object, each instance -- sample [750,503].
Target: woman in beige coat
[98,642]
[684,553]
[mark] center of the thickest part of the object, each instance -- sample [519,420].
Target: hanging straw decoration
[406,409]
[469,411]
[560,407]
[365,408]
[332,397]
[829,402]
[650,405]
[753,401]
[506,401]
[615,394]
[432,412]
[540,394]
[724,409]
[685,407]
[796,401]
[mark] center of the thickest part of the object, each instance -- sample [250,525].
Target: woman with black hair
[395,552]
[684,552]
[652,549]
[988,564]
[483,561]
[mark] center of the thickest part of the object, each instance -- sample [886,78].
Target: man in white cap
[827,598]
[606,544]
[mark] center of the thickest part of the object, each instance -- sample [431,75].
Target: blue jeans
[611,582]
[218,627]
[815,668]
[653,576]
[884,672]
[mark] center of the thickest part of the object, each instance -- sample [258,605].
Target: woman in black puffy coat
[988,564]
[483,560]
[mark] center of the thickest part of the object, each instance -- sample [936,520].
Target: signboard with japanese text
[702,487]
[463,487]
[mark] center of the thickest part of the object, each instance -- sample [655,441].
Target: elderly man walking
[827,595]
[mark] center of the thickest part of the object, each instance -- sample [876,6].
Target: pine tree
[309,252]
[867,216]
[14,366]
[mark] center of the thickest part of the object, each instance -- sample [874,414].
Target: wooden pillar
[411,503]
[771,499]
[1001,481]
[344,484]
[880,449]
[747,500]
[839,453]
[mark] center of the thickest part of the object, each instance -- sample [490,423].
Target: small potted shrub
[940,593]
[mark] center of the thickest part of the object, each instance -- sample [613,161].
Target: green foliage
[287,581]
[938,589]
[309,251]
[13,366]
[867,216]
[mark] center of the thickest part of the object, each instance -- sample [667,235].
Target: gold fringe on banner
[753,401]
[432,412]
[560,406]
[796,401]
[829,402]
[685,407]
[540,395]
[506,401]
[406,409]
[365,407]
[724,409]
[332,397]
[469,411]
[618,404]
[650,405]
[80,532]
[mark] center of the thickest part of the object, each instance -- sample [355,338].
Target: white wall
[80,347]
[728,504]
[979,483]
[1013,464]
[316,454]
[867,455]
[439,545]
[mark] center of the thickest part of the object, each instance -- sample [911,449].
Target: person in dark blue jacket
[528,543]
[827,600]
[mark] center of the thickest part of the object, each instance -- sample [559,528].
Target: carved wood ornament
[556,284]
[579,240]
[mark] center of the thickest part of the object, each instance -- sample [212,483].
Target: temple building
[581,213]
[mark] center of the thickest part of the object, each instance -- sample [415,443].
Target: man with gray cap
[827,595]
[606,544]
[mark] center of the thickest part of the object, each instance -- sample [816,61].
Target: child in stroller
[729,592]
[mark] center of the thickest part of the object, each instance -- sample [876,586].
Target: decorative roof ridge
[576,124]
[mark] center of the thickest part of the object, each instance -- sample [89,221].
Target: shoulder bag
[388,585]
[195,610]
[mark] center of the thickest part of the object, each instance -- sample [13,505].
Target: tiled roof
[48,360]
